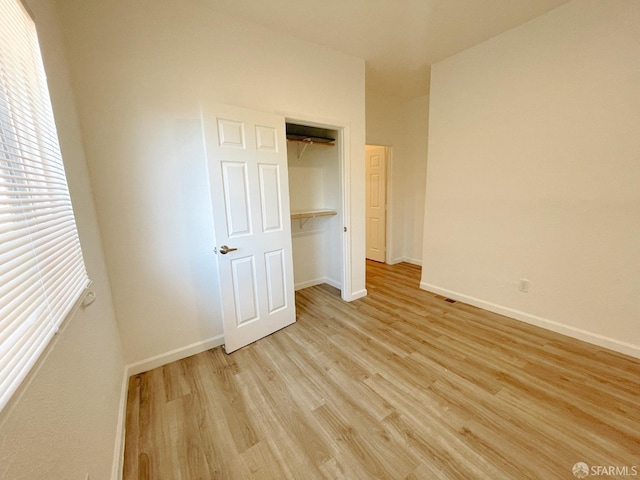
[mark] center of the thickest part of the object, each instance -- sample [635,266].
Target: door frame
[389,199]
[344,142]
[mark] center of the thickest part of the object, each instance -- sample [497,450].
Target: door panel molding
[376,203]
[248,178]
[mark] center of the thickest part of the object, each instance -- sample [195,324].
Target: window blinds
[42,273]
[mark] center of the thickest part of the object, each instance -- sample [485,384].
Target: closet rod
[306,142]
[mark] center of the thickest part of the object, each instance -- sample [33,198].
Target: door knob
[224,249]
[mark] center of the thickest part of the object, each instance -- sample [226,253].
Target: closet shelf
[305,215]
[300,214]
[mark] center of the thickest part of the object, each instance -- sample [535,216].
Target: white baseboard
[308,283]
[413,261]
[143,366]
[118,452]
[357,295]
[578,333]
[173,355]
[333,283]
[317,281]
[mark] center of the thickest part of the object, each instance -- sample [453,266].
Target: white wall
[62,423]
[314,184]
[413,184]
[141,70]
[534,173]
[402,125]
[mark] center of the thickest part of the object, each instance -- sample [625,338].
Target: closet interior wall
[315,184]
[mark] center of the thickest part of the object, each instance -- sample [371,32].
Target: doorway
[250,198]
[317,161]
[376,193]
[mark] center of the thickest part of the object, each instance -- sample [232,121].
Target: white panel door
[247,158]
[376,200]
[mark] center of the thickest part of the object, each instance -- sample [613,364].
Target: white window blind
[42,272]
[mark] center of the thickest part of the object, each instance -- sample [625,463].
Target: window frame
[43,277]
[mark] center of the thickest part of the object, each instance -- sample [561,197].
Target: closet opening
[316,195]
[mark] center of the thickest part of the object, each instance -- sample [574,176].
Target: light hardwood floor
[400,384]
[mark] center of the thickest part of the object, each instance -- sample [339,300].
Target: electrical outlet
[523,286]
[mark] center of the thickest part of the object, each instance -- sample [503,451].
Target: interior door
[376,200]
[247,159]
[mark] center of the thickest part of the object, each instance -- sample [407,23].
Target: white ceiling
[399,39]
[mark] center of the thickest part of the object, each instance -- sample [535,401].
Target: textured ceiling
[399,39]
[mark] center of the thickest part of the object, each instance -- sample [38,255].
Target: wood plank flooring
[398,385]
